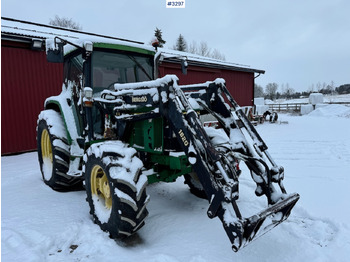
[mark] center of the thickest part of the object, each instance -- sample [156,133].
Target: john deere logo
[139,99]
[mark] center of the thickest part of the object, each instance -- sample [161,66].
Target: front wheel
[116,192]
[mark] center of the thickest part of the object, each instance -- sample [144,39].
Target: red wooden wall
[27,79]
[240,84]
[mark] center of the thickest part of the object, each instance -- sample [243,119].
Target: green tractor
[115,128]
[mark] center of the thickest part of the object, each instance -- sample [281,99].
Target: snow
[69,119]
[306,109]
[345,98]
[332,111]
[259,101]
[47,168]
[153,83]
[261,109]
[315,98]
[163,54]
[39,224]
[101,211]
[79,38]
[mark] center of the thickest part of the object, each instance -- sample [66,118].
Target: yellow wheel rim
[46,148]
[100,186]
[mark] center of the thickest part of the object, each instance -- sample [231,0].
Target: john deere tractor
[114,129]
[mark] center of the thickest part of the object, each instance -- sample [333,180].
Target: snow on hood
[154,83]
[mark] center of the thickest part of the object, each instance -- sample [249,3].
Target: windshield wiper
[140,66]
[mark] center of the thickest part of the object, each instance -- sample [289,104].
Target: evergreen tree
[158,35]
[181,44]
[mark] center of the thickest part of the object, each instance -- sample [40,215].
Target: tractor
[115,128]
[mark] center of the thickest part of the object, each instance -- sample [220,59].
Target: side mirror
[184,66]
[56,54]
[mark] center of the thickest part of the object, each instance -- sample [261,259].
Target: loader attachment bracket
[243,231]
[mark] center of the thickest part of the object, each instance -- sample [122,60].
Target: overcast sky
[299,42]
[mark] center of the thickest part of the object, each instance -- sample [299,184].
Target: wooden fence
[295,107]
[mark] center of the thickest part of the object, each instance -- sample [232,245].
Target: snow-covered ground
[39,224]
[326,99]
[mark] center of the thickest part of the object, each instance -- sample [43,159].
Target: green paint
[168,168]
[147,136]
[125,48]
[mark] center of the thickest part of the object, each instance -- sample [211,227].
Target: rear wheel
[53,152]
[195,186]
[116,192]
[222,144]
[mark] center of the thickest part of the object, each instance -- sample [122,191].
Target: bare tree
[311,88]
[258,91]
[271,90]
[65,22]
[288,92]
[204,49]
[318,87]
[193,49]
[217,55]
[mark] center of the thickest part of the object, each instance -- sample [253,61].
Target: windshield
[110,68]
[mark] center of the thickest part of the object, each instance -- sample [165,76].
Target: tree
[181,44]
[287,91]
[318,86]
[343,89]
[158,35]
[204,50]
[65,22]
[258,91]
[270,90]
[193,49]
[217,55]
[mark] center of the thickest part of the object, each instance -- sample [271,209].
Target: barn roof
[173,56]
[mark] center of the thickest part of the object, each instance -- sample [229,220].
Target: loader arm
[216,174]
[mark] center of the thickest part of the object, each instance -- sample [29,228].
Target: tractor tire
[195,186]
[53,152]
[116,192]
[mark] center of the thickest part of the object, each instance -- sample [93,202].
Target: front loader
[123,135]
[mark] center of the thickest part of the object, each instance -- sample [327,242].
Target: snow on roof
[175,56]
[29,30]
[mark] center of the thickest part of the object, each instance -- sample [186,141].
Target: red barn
[27,79]
[239,79]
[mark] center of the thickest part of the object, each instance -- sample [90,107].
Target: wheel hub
[46,148]
[100,186]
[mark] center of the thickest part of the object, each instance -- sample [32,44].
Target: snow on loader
[118,130]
